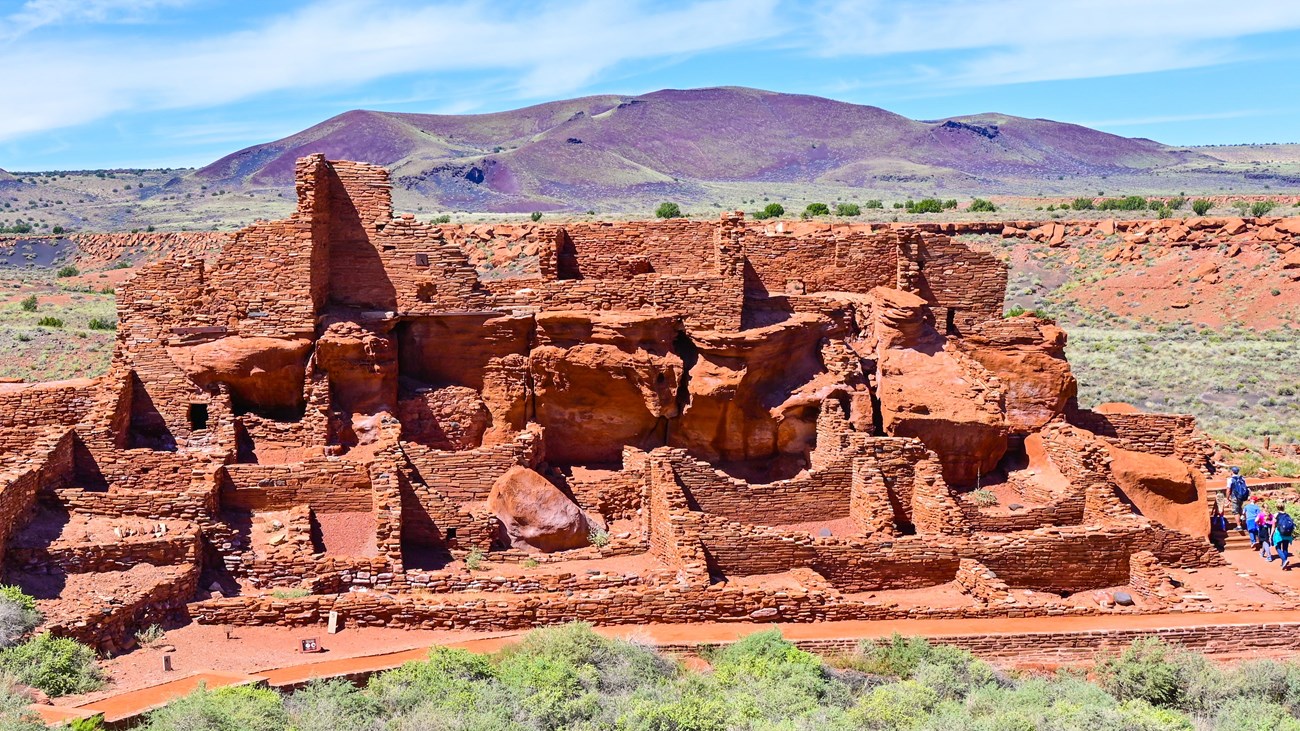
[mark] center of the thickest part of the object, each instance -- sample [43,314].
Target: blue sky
[150,83]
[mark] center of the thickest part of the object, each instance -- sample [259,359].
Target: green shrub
[1261,208]
[1128,203]
[102,323]
[774,210]
[332,705]
[894,707]
[18,616]
[29,304]
[444,218]
[474,559]
[56,665]
[151,635]
[15,712]
[1146,671]
[984,498]
[535,216]
[451,678]
[233,708]
[950,204]
[57,230]
[1201,206]
[848,209]
[598,537]
[49,321]
[1015,311]
[926,205]
[1082,204]
[668,210]
[68,270]
[874,204]
[1176,203]
[817,209]
[979,205]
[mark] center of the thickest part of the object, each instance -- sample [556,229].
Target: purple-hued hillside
[574,153]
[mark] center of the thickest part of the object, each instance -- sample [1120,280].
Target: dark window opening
[422,260]
[198,417]
[952,321]
[451,534]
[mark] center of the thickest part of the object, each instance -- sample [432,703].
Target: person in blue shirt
[1283,532]
[1252,511]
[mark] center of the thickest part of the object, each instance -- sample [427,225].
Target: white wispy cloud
[551,48]
[1170,119]
[39,13]
[1013,41]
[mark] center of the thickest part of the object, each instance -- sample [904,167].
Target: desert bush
[979,205]
[1127,203]
[1177,202]
[984,498]
[29,303]
[68,270]
[774,210]
[18,616]
[1261,208]
[332,705]
[926,205]
[874,204]
[474,559]
[233,708]
[817,209]
[1147,670]
[848,209]
[444,218]
[151,635]
[1082,204]
[1201,206]
[290,593]
[50,321]
[950,204]
[102,323]
[668,210]
[56,665]
[598,537]
[57,230]
[15,712]
[535,216]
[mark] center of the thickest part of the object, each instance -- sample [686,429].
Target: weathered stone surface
[534,514]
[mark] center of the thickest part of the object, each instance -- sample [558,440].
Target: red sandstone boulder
[1163,489]
[941,396]
[262,373]
[535,514]
[1028,355]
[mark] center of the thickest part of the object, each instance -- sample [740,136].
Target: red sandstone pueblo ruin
[668,421]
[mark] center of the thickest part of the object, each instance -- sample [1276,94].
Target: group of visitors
[1270,532]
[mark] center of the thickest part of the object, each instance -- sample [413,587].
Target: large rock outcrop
[746,392]
[933,392]
[1163,489]
[262,373]
[534,514]
[1028,355]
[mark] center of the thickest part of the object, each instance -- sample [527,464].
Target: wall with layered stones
[328,485]
[28,409]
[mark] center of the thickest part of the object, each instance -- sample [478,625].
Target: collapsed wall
[719,420]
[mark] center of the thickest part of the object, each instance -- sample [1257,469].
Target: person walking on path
[1219,530]
[1238,493]
[1252,511]
[1283,532]
[1265,524]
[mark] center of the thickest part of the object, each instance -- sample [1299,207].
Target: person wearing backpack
[1251,511]
[1265,523]
[1238,492]
[1283,532]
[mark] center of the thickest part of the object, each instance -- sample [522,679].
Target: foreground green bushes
[571,678]
[54,665]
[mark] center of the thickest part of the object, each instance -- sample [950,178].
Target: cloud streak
[1018,41]
[549,48]
[36,14]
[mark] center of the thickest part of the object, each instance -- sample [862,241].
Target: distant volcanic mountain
[570,154]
